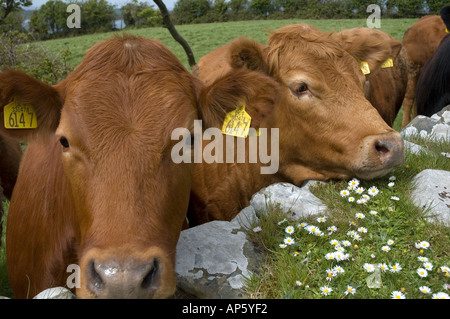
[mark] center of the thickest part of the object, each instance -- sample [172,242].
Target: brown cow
[327,129]
[385,85]
[98,186]
[420,42]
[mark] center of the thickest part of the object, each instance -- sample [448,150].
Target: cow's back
[41,204]
[422,39]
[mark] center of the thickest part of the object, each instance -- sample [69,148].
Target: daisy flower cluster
[347,257]
[356,193]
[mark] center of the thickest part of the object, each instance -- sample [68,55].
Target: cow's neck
[221,190]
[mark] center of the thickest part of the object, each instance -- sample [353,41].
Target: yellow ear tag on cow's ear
[237,122]
[19,116]
[446,30]
[389,63]
[364,67]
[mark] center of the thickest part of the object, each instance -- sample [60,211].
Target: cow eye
[64,142]
[302,88]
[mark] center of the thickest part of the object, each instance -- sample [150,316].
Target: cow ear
[247,53]
[28,100]
[371,46]
[258,92]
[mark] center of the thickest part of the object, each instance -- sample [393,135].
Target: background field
[204,38]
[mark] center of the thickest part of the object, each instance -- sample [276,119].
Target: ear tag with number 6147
[19,116]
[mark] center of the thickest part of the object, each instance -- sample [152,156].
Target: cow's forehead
[142,109]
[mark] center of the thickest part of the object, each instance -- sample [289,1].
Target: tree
[238,9]
[8,6]
[140,14]
[97,15]
[262,8]
[189,11]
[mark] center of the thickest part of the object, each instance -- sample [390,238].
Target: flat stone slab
[432,191]
[296,202]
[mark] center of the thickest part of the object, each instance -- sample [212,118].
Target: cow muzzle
[379,154]
[112,274]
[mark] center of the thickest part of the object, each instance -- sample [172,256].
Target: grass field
[204,38]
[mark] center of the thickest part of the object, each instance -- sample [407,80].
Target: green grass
[203,38]
[304,264]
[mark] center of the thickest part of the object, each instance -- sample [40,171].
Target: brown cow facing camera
[327,128]
[97,186]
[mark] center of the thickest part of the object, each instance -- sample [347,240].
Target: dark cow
[433,86]
[326,127]
[10,156]
[98,187]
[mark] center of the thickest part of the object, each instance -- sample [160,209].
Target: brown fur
[329,132]
[420,42]
[385,86]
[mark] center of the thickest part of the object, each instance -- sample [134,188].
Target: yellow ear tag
[364,67]
[446,30]
[237,122]
[19,116]
[389,63]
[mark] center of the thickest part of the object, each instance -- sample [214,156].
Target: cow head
[111,121]
[327,128]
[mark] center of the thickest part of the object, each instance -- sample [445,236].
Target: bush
[16,52]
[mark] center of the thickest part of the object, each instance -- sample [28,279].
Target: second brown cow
[327,128]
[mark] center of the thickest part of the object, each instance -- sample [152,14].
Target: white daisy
[350,290]
[372,191]
[386,248]
[334,242]
[428,266]
[289,241]
[359,215]
[425,290]
[383,267]
[397,295]
[354,182]
[422,272]
[346,243]
[369,267]
[362,230]
[395,268]
[373,212]
[344,192]
[422,245]
[338,269]
[322,219]
[326,290]
[440,295]
[289,229]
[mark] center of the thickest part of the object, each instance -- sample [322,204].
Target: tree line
[50,20]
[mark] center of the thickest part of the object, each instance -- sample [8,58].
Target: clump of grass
[375,248]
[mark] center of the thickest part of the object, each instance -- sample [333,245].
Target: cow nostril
[381,147]
[149,279]
[96,282]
